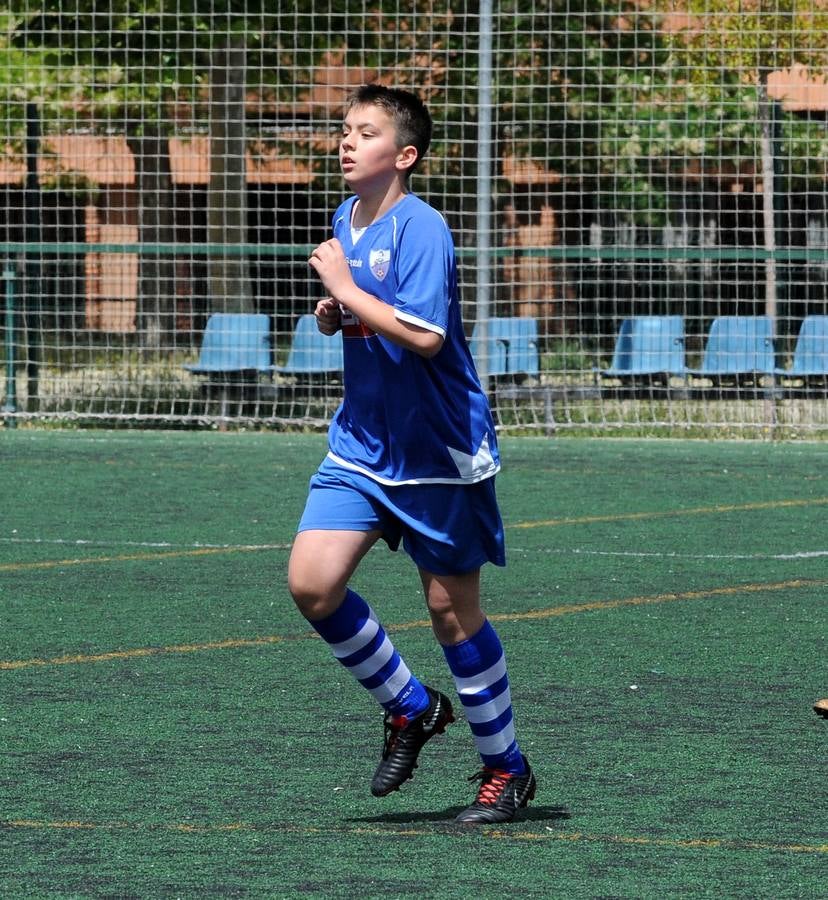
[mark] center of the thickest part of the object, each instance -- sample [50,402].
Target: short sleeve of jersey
[424,266]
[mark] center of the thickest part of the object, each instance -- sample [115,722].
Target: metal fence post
[10,406]
[484,188]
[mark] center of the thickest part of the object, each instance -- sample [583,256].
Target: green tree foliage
[597,90]
[576,82]
[723,56]
[122,61]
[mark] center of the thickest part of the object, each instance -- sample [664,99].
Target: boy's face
[368,152]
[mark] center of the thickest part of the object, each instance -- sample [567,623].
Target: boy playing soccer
[412,458]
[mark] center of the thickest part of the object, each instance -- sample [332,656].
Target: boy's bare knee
[316,605]
[314,598]
[454,606]
[439,602]
[320,566]
[444,621]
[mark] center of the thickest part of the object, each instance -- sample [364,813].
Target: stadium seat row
[240,342]
[645,345]
[735,345]
[237,342]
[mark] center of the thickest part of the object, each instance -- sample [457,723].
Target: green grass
[171,728]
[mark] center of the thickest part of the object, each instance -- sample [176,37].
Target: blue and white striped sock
[360,643]
[479,669]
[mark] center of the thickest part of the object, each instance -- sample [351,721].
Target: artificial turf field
[171,728]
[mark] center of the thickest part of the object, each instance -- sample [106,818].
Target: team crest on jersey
[378,262]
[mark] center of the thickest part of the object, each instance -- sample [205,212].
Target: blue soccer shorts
[446,529]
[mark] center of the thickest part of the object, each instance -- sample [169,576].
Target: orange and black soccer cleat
[500,796]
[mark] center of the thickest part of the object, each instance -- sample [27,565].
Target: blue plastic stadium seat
[494,351]
[511,345]
[312,352]
[648,345]
[811,350]
[738,345]
[234,342]
[520,334]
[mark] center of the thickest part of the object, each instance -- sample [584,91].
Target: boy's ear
[407,157]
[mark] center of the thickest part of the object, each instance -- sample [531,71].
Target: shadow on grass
[447,816]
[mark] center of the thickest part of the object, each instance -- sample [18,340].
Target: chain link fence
[637,197]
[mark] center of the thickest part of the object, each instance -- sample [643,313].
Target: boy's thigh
[337,528]
[323,561]
[335,504]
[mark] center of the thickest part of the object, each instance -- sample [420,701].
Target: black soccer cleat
[403,741]
[821,708]
[500,796]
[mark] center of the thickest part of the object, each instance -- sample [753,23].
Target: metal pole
[31,295]
[769,185]
[484,187]
[10,406]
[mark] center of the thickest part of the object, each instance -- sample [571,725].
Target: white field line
[148,545]
[640,554]
[558,551]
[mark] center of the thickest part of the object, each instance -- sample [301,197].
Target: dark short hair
[407,111]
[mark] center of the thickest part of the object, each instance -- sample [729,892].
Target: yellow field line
[534,614]
[139,652]
[727,591]
[538,523]
[642,600]
[667,513]
[495,834]
[141,557]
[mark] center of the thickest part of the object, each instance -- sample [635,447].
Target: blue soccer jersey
[406,419]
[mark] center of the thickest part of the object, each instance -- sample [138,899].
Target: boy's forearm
[380,317]
[329,262]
